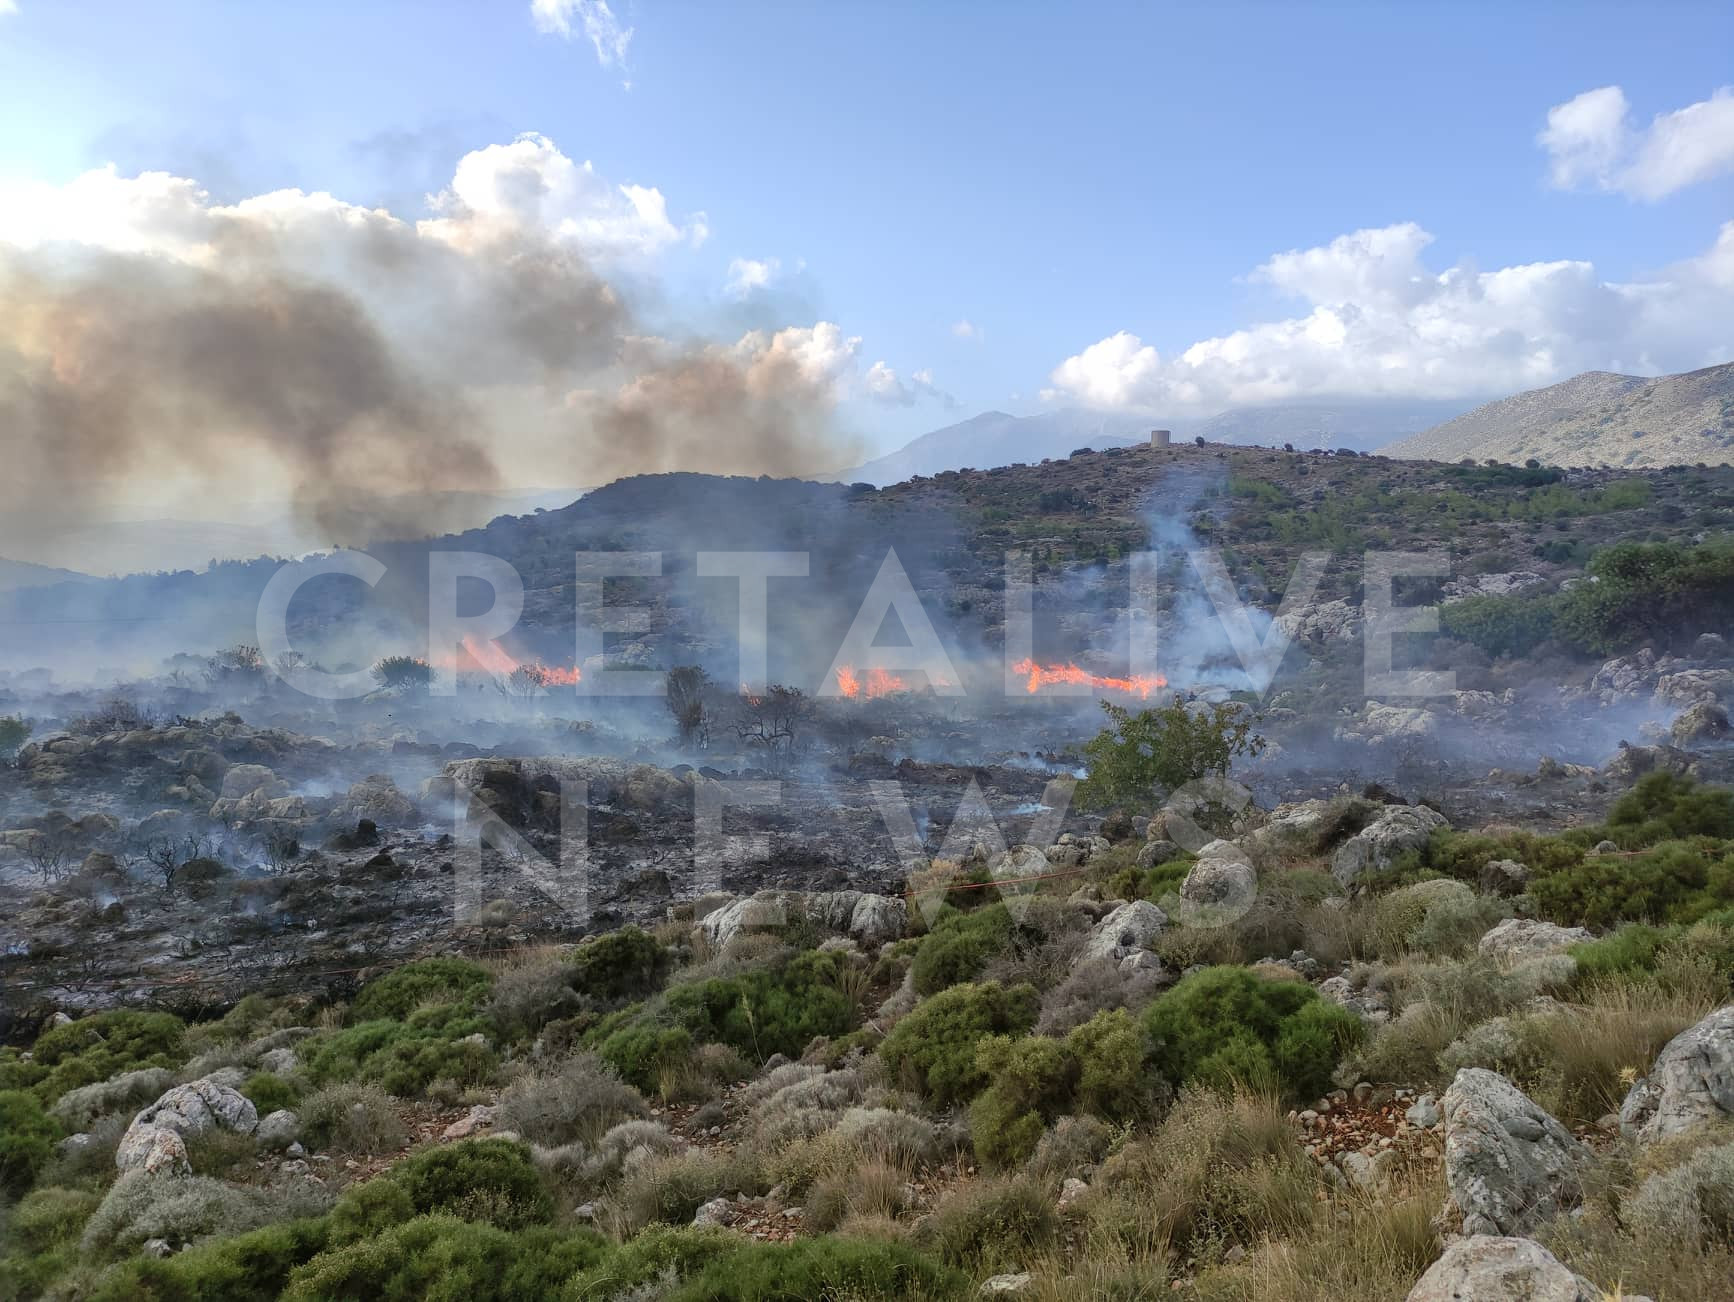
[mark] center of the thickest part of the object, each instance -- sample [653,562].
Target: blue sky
[1056,176]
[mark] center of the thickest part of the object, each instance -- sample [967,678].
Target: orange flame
[1039,676]
[879,682]
[492,658]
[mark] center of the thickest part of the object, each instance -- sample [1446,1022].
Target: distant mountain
[997,439]
[1346,423]
[22,574]
[1597,418]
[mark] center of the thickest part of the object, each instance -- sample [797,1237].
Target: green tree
[1140,756]
[14,732]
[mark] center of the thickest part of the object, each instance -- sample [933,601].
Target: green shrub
[1668,807]
[1637,588]
[1676,881]
[270,1093]
[94,1049]
[350,1120]
[368,1208]
[643,1261]
[445,1259]
[991,1226]
[1114,1079]
[434,1042]
[767,1011]
[251,1267]
[1031,1079]
[427,981]
[829,1267]
[624,964]
[478,1179]
[1225,1024]
[26,1141]
[644,1054]
[1500,626]
[1155,750]
[42,1237]
[934,1048]
[959,946]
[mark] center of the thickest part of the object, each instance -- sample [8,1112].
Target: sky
[789,235]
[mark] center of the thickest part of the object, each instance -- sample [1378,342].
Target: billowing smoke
[155,345]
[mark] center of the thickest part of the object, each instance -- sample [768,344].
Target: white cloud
[1382,323]
[530,182]
[884,385]
[749,274]
[596,20]
[966,329]
[8,7]
[1590,140]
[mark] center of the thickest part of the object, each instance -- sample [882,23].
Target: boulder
[1489,1268]
[245,779]
[1127,930]
[1705,721]
[1400,828]
[277,1130]
[1504,877]
[1691,1083]
[878,919]
[1632,762]
[1222,883]
[192,1109]
[1517,939]
[1508,1164]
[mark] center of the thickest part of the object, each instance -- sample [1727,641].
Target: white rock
[1486,1268]
[1517,939]
[1691,1083]
[1508,1164]
[1125,931]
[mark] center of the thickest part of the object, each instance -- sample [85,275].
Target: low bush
[670,1189]
[959,945]
[1225,1025]
[95,1049]
[269,1092]
[186,1209]
[251,1267]
[435,1042]
[490,1180]
[41,1237]
[26,1141]
[767,1011]
[78,1109]
[446,1258]
[620,965]
[401,991]
[1223,1169]
[991,1226]
[578,1098]
[933,1049]
[833,1267]
[350,1121]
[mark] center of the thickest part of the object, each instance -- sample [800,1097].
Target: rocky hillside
[997,439]
[1597,418]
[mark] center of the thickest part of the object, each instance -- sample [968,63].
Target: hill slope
[1597,418]
[1351,423]
[995,438]
[22,574]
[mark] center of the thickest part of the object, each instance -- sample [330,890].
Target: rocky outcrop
[1400,828]
[1221,885]
[156,1140]
[868,918]
[1632,762]
[1691,1083]
[1508,1164]
[1124,932]
[1705,721]
[1517,939]
[1488,1268]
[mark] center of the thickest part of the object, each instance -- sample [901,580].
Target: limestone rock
[1517,939]
[1691,1083]
[1509,1165]
[1374,848]
[1125,931]
[1486,1268]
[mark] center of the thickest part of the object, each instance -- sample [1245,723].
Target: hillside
[1349,423]
[1598,418]
[22,574]
[995,438]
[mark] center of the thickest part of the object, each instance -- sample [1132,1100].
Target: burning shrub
[934,1048]
[1138,756]
[1225,1025]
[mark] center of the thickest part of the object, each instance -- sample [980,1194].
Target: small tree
[1156,751]
[772,720]
[14,732]
[238,666]
[685,699]
[49,852]
[403,673]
